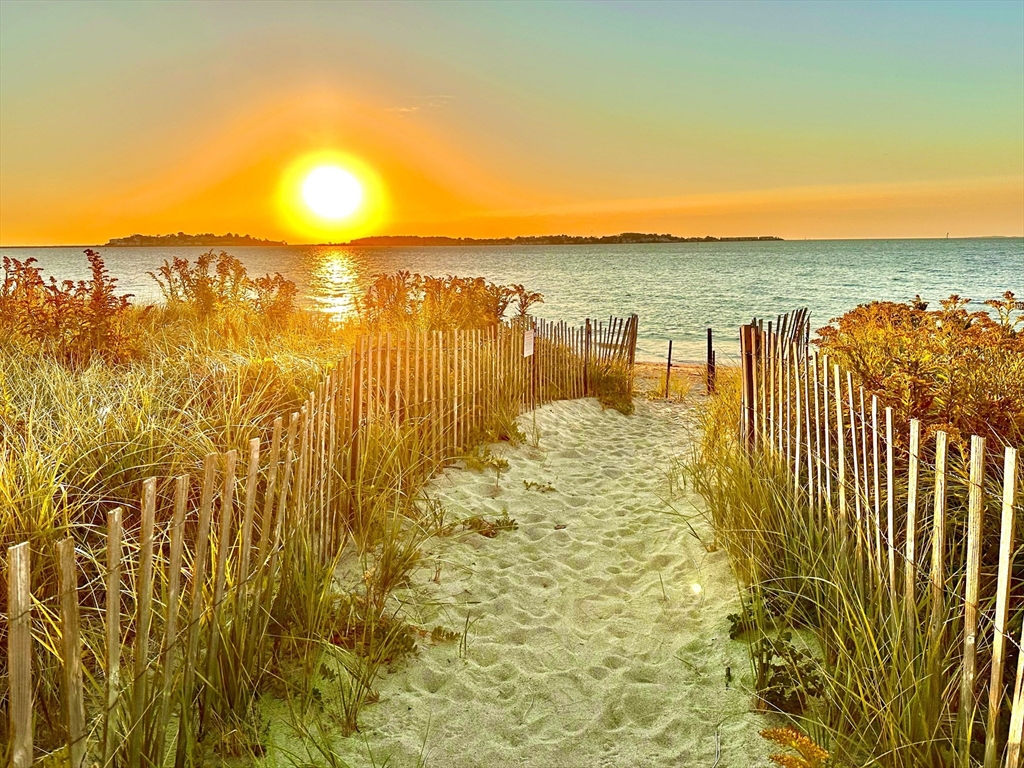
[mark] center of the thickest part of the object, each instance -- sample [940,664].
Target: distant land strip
[627,238]
[135,241]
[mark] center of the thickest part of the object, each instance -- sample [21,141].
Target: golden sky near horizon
[487,120]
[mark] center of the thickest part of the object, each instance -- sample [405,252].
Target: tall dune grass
[83,422]
[884,701]
[884,689]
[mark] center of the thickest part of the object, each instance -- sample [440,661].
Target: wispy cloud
[424,103]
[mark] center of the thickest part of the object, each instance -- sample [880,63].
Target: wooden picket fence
[203,568]
[886,490]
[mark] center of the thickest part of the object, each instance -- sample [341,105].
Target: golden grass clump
[883,690]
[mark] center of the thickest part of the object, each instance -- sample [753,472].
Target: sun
[332,192]
[330,196]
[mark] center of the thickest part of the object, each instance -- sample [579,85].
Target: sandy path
[589,645]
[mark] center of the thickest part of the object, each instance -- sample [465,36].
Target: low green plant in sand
[531,485]
[490,528]
[612,384]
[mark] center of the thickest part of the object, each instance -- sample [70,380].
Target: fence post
[113,622]
[586,360]
[71,651]
[710,365]
[1006,547]
[143,619]
[747,370]
[668,370]
[975,521]
[19,653]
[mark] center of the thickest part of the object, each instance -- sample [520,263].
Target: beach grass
[836,648]
[99,395]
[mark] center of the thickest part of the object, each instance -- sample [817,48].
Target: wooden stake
[19,653]
[71,647]
[798,407]
[828,433]
[181,485]
[890,498]
[245,535]
[1016,730]
[199,565]
[113,626]
[841,445]
[668,369]
[877,486]
[975,520]
[143,616]
[267,518]
[856,465]
[1006,548]
[938,575]
[817,435]
[910,572]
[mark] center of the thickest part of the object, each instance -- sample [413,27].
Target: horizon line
[353,244]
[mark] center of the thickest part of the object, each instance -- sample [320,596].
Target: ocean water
[678,289]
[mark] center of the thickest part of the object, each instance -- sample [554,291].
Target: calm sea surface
[678,289]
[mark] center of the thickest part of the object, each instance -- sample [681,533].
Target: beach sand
[597,629]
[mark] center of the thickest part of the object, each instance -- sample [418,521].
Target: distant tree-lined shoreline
[629,238]
[231,239]
[135,241]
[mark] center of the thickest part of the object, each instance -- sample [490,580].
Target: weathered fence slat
[938,573]
[1006,546]
[143,618]
[910,570]
[19,652]
[975,521]
[71,635]
[113,627]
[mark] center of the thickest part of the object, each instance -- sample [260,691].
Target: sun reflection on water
[335,284]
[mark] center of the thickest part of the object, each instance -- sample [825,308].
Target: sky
[800,120]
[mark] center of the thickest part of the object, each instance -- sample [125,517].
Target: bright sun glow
[332,192]
[331,196]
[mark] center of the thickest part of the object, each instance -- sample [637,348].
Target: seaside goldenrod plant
[958,371]
[71,321]
[227,287]
[404,300]
[808,754]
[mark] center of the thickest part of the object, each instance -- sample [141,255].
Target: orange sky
[797,120]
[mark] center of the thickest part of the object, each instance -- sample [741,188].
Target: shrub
[405,300]
[955,370]
[227,287]
[74,321]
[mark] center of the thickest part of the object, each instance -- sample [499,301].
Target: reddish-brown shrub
[74,321]
[405,300]
[955,370]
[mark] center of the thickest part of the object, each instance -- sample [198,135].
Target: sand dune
[600,643]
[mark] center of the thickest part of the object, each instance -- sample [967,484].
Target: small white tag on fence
[528,343]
